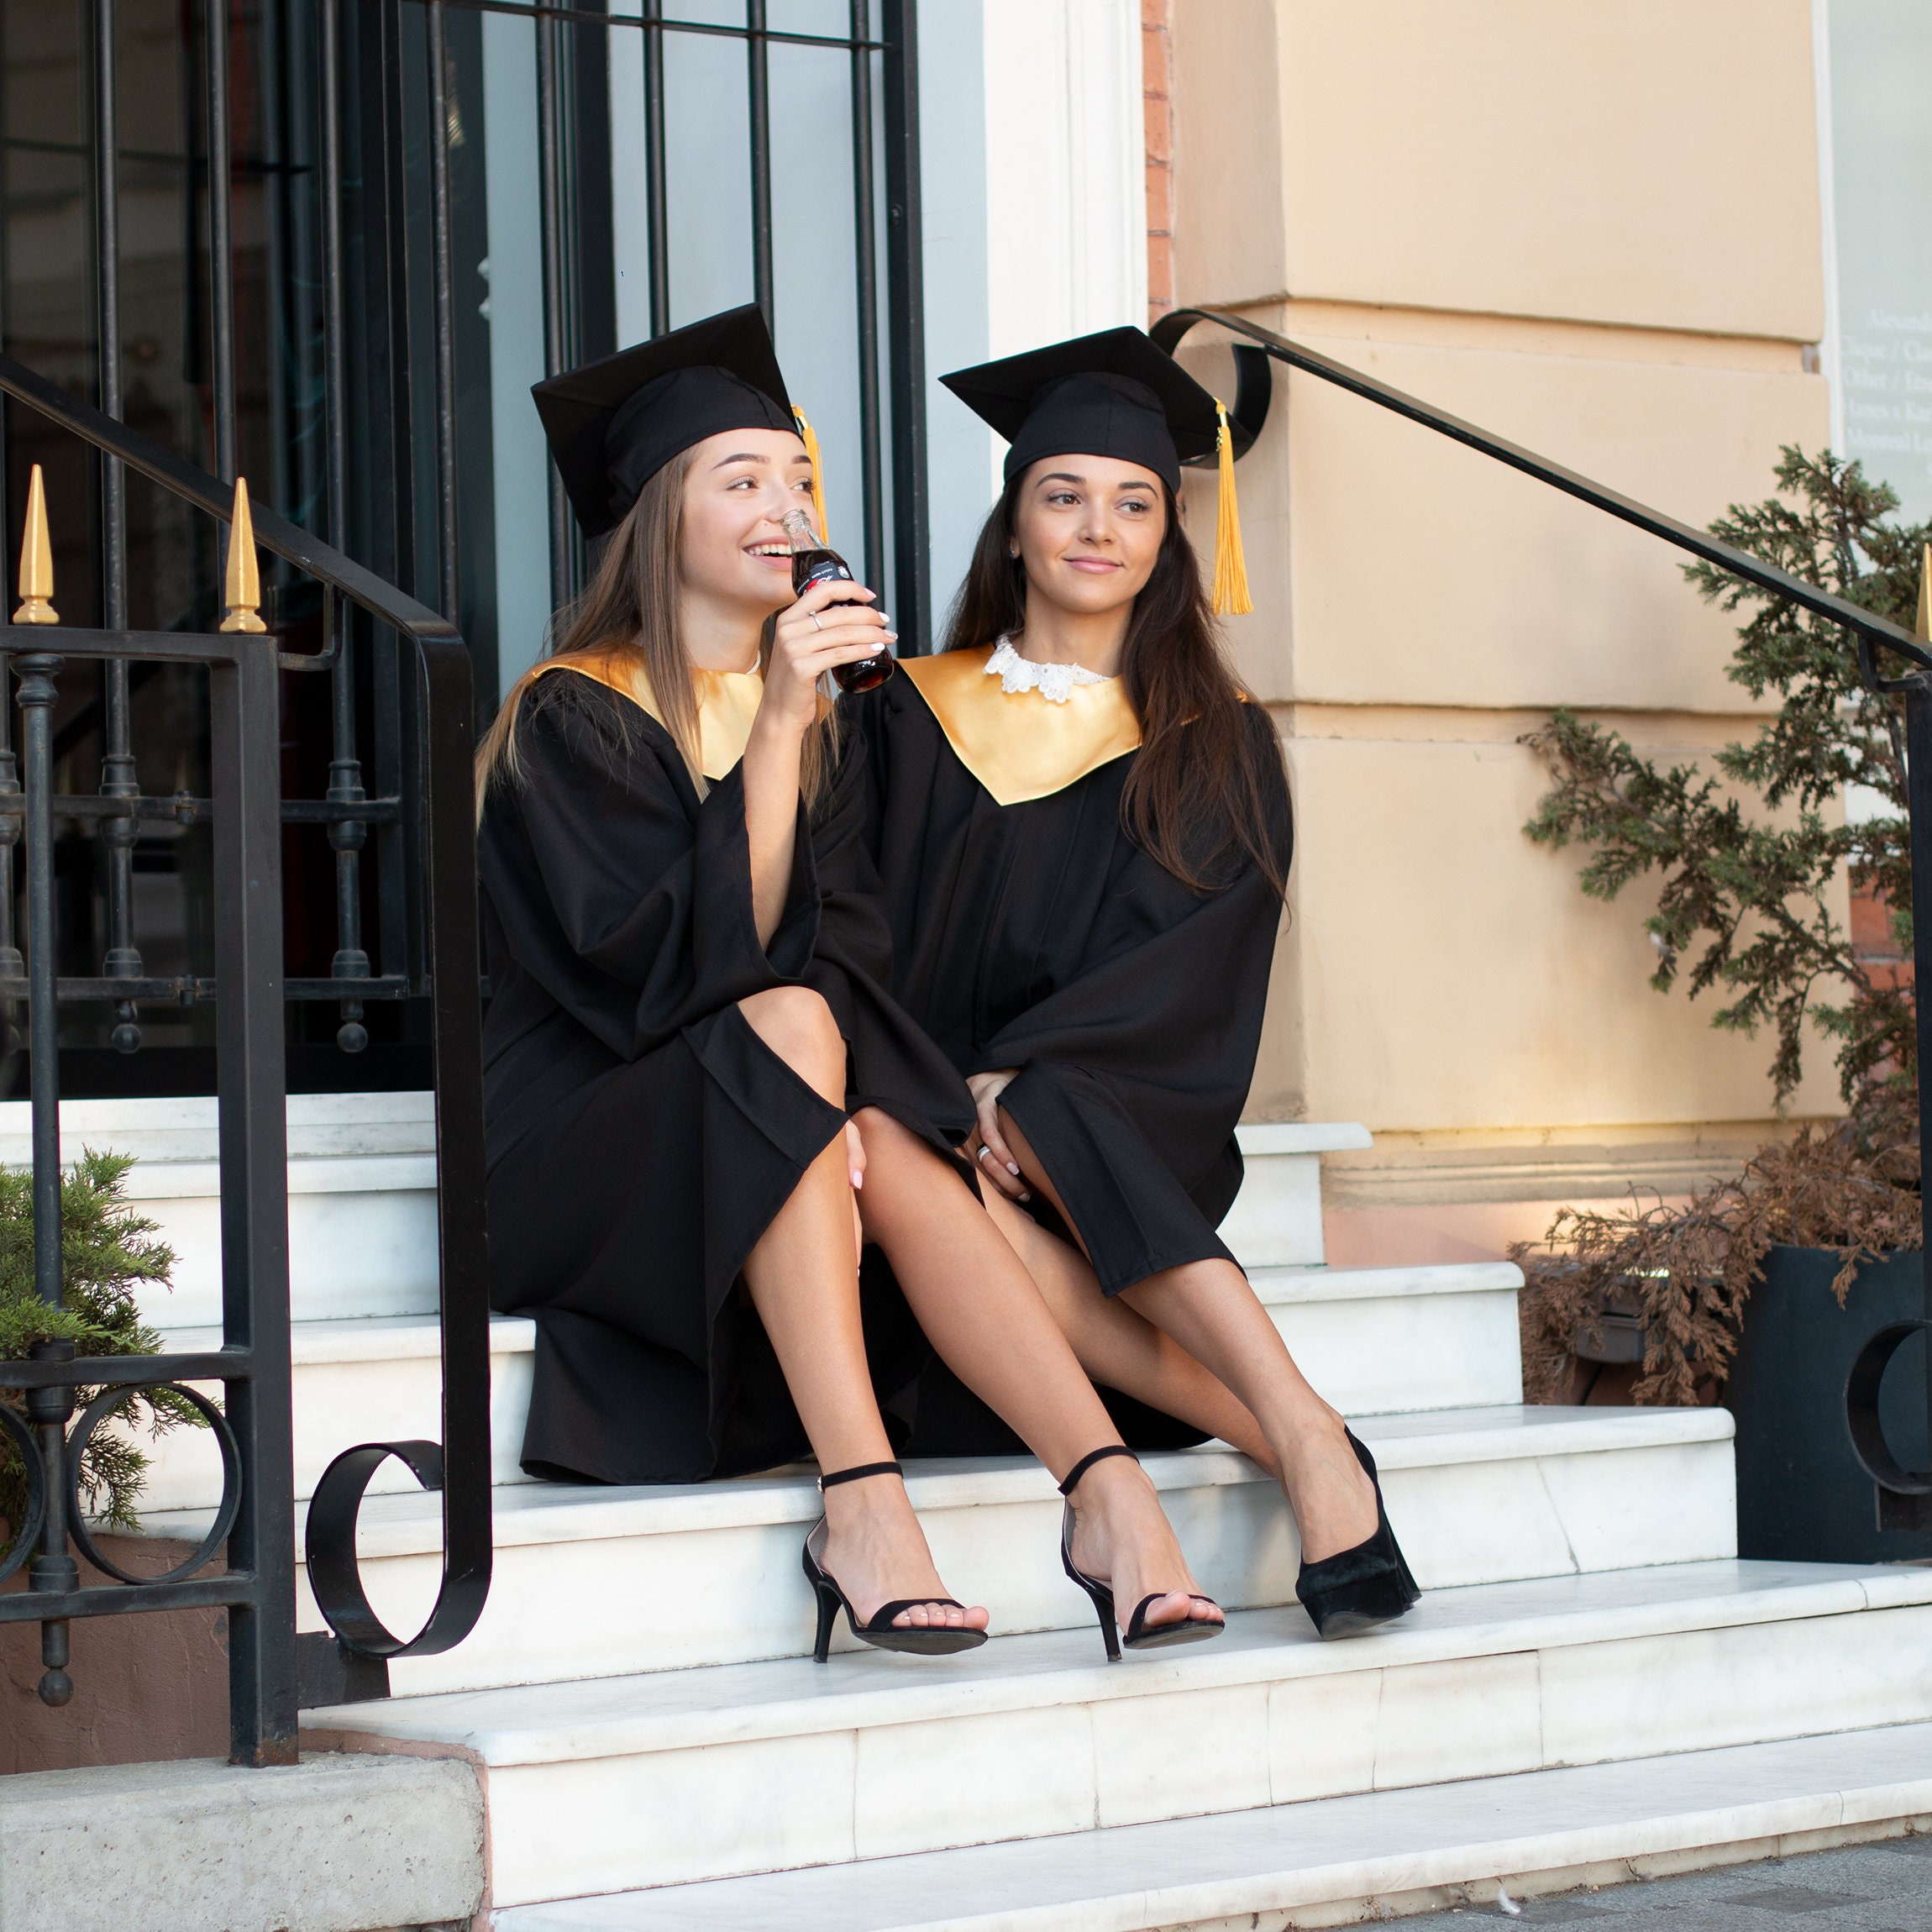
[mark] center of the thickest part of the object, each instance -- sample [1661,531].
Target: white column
[1033,170]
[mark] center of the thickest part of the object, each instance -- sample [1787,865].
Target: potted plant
[1761,1290]
[106,1254]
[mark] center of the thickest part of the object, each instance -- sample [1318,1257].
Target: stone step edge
[358,1337]
[409,1523]
[790,1697]
[1280,1286]
[1408,1858]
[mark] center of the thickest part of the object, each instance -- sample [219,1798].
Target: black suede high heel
[1356,1590]
[1141,1636]
[880,1630]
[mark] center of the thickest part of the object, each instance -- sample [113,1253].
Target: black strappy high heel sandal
[1139,1635]
[1356,1590]
[880,1631]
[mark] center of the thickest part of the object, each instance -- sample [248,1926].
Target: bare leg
[981,1310]
[1120,1347]
[803,1276]
[1208,1308]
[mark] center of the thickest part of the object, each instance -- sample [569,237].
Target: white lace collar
[1055,682]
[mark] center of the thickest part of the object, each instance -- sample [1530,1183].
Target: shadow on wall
[146,1687]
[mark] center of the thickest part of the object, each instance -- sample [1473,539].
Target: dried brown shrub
[1687,1270]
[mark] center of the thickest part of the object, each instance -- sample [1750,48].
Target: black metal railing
[256,1517]
[1904,1495]
[330,181]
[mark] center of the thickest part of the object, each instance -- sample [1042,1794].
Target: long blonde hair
[629,610]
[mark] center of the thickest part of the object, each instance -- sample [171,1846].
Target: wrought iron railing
[1904,1495]
[256,1517]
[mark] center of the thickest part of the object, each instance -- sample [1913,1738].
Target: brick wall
[1157,70]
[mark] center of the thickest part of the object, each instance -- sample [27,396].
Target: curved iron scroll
[456,1016]
[1868,1443]
[1904,1499]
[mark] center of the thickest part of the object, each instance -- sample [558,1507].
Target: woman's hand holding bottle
[827,627]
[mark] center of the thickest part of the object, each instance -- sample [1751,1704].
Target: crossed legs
[1195,1341]
[981,1310]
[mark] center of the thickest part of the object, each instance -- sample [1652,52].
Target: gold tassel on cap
[811,437]
[1230,596]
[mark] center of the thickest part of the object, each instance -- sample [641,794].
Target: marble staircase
[1587,1640]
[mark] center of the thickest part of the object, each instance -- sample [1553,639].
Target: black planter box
[1802,1496]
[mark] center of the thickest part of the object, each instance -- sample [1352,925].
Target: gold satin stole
[727,702]
[1021,745]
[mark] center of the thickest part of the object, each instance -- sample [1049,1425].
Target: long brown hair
[1201,787]
[629,609]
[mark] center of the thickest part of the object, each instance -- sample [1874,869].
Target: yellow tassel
[1230,596]
[810,437]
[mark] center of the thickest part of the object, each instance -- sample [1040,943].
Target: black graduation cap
[613,424]
[1115,394]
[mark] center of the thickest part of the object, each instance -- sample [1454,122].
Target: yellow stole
[1021,745]
[727,702]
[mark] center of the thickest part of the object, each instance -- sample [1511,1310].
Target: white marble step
[679,1776]
[378,1378]
[362,1196]
[1381,1340]
[1374,1340]
[361,1208]
[1334,1860]
[1478,1496]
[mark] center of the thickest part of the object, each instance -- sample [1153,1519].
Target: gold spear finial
[241,592]
[36,558]
[1923,629]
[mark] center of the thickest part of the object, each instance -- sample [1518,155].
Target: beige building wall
[1595,230]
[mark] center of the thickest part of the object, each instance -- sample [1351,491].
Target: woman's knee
[798,1026]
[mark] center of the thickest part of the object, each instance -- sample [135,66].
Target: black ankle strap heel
[1139,1635]
[880,1630]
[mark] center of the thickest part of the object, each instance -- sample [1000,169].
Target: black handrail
[460,1466]
[1904,1496]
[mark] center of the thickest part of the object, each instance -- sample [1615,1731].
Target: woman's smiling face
[738,490]
[1088,530]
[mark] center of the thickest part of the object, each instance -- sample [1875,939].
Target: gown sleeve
[1133,1075]
[624,897]
[894,1065]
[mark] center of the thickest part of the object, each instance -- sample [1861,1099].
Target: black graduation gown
[640,1136]
[1037,935]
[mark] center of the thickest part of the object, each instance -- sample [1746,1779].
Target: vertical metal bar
[48,1410]
[108,319]
[864,214]
[252,1142]
[556,307]
[758,76]
[117,776]
[905,293]
[346,838]
[1918,816]
[39,694]
[442,311]
[221,244]
[657,202]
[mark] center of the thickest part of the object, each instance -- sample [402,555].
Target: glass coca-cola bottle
[812,563]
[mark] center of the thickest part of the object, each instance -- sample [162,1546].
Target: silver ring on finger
[982,1153]
[816,625]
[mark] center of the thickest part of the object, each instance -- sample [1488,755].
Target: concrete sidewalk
[1882,1887]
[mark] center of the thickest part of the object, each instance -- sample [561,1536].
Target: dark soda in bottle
[812,563]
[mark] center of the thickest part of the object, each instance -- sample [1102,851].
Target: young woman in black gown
[686,1020]
[1083,833]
